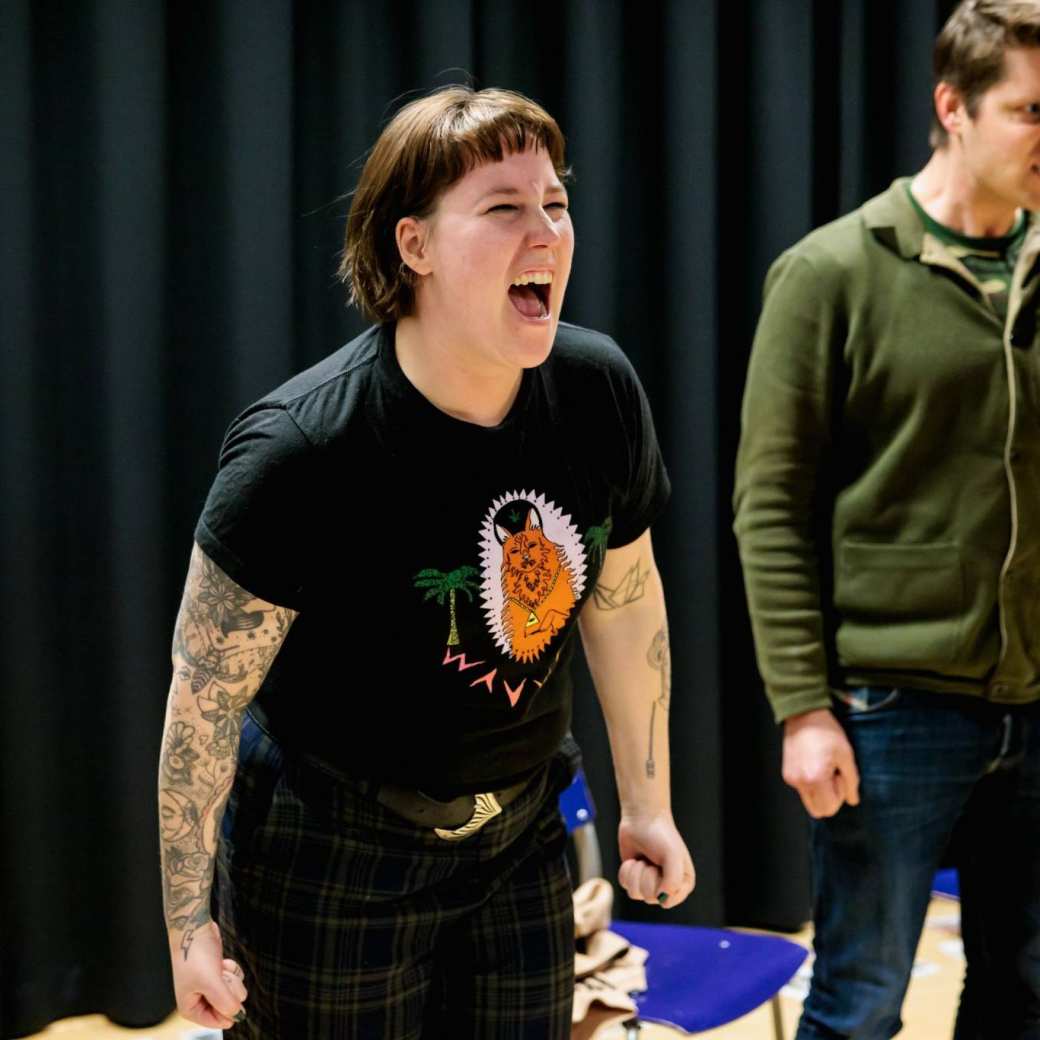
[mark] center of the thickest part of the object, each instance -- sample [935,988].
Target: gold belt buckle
[485,807]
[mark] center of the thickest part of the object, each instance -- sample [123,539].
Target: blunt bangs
[429,145]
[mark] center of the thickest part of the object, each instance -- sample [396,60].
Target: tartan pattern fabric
[351,923]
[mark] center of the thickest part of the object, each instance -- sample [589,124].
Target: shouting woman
[367,728]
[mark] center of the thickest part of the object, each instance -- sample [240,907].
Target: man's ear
[413,244]
[949,108]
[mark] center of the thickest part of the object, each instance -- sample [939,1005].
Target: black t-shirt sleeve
[254,522]
[643,487]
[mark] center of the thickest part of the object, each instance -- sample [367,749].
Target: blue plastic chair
[697,978]
[947,884]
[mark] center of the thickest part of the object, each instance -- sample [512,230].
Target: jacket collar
[893,219]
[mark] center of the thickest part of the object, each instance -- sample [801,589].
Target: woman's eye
[560,207]
[503,207]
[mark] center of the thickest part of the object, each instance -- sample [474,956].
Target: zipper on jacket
[1009,360]
[935,254]
[1026,261]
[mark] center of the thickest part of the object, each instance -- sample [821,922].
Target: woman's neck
[460,386]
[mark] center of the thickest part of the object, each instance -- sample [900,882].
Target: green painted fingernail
[240,1016]
[662,897]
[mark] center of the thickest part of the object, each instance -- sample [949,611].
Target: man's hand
[819,763]
[655,863]
[208,987]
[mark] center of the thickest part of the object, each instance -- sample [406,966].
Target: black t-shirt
[438,566]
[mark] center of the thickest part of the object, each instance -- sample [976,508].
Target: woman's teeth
[535,278]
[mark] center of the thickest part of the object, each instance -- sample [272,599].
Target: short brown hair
[969,52]
[427,146]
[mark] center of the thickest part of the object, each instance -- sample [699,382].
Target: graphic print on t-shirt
[532,572]
[440,585]
[597,538]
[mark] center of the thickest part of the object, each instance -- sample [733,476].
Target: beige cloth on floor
[607,968]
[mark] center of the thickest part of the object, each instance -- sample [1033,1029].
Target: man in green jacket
[888,513]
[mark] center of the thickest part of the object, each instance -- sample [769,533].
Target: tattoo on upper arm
[224,642]
[659,658]
[216,637]
[631,587]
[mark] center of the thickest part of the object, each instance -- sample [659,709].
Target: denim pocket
[260,766]
[864,700]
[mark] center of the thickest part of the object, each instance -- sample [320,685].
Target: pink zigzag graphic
[488,680]
[514,695]
[464,665]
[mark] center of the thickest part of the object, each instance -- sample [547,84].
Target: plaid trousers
[351,923]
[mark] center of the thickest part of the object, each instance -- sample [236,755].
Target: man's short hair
[969,51]
[427,146]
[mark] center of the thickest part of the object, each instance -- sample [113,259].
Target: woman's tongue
[527,301]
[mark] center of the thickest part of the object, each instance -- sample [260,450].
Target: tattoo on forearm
[651,766]
[221,651]
[178,755]
[659,658]
[631,588]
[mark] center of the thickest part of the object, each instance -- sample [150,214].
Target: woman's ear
[413,244]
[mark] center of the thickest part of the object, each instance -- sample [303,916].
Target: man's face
[1001,144]
[501,224]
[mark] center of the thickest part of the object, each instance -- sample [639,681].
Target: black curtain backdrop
[172,182]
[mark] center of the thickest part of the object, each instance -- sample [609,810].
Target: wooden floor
[927,1015]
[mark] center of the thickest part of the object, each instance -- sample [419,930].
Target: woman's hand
[655,864]
[209,988]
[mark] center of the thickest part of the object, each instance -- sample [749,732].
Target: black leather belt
[453,820]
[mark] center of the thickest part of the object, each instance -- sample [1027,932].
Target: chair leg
[778,1019]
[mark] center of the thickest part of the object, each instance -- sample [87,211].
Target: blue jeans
[938,773]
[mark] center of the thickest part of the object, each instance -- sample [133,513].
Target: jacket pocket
[899,606]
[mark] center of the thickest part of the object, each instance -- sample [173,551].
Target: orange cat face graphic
[537,587]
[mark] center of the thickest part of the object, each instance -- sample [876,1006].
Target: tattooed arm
[224,642]
[624,630]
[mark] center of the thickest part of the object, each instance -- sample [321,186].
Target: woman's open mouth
[530,294]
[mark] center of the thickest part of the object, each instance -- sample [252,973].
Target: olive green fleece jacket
[888,477]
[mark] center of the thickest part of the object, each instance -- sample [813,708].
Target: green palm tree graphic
[596,538]
[438,584]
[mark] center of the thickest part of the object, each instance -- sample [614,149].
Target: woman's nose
[543,229]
